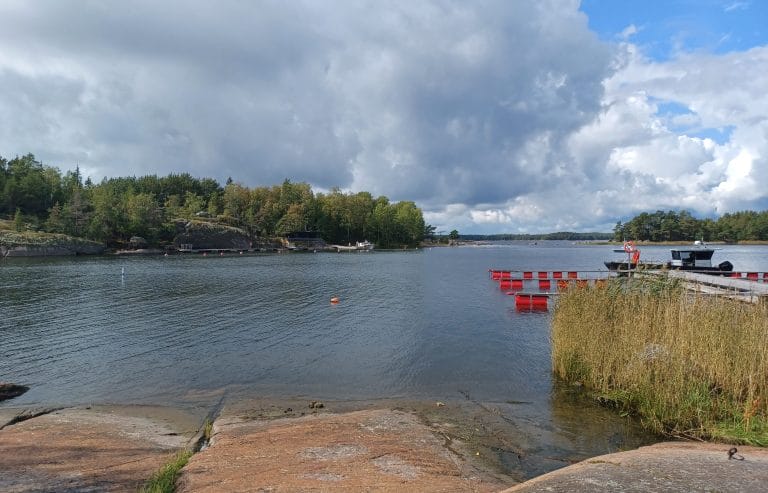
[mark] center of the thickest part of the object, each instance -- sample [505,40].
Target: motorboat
[697,258]
[364,245]
[360,246]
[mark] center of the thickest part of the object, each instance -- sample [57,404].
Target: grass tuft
[207,429]
[164,480]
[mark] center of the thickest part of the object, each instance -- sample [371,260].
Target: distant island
[167,212]
[563,235]
[661,226]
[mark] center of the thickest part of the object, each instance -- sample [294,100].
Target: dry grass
[687,365]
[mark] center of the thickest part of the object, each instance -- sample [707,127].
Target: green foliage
[18,221]
[28,185]
[55,221]
[164,480]
[681,226]
[207,429]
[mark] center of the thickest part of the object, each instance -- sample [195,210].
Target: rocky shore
[295,445]
[29,244]
[189,236]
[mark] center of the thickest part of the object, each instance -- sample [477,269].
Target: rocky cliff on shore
[203,235]
[34,244]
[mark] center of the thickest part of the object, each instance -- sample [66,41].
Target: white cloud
[736,6]
[705,176]
[628,32]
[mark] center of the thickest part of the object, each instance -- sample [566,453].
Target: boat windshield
[699,258]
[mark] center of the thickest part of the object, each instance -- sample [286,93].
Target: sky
[497,116]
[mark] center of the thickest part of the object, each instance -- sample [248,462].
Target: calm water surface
[416,325]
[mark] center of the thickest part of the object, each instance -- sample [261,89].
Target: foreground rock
[271,446]
[664,467]
[380,450]
[86,450]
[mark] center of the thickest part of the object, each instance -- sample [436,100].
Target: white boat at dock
[360,246]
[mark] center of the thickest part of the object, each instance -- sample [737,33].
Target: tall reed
[687,364]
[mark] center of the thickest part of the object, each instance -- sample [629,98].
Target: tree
[214,204]
[18,221]
[173,207]
[193,204]
[143,215]
[359,209]
[76,213]
[293,220]
[3,178]
[55,221]
[105,219]
[453,235]
[688,226]
[429,231]
[383,222]
[409,223]
[235,202]
[26,186]
[618,232]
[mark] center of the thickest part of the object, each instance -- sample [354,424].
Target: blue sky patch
[719,135]
[665,28]
[672,111]
[671,108]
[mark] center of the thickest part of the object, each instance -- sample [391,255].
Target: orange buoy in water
[335,300]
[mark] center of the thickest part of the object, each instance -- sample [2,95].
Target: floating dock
[533,289]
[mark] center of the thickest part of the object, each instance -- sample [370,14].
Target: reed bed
[689,365]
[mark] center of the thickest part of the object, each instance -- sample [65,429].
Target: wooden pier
[741,289]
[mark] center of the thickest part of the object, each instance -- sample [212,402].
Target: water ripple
[408,324]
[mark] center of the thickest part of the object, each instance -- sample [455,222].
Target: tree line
[682,226]
[42,198]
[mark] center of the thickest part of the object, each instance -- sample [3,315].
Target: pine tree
[18,220]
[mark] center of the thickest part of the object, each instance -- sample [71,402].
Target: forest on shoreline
[40,198]
[663,226]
